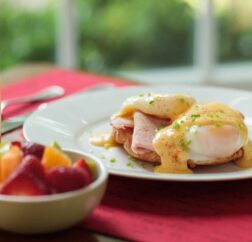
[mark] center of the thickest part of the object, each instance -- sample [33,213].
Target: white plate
[71,121]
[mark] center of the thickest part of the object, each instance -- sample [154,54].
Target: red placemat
[71,81]
[142,210]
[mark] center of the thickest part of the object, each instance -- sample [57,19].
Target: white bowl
[50,213]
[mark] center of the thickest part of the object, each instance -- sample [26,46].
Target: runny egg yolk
[172,143]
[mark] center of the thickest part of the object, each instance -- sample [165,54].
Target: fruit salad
[31,169]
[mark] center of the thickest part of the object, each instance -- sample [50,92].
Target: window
[27,32]
[154,41]
[234,23]
[135,34]
[179,41]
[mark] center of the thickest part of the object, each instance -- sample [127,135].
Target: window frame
[204,70]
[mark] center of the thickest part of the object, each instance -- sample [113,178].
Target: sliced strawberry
[83,166]
[64,179]
[27,179]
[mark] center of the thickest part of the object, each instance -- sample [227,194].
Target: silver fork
[44,94]
[18,121]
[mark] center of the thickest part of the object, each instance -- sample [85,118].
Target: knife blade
[14,123]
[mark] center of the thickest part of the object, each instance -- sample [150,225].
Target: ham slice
[121,123]
[145,128]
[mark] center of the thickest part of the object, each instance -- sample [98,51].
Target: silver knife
[18,121]
[14,123]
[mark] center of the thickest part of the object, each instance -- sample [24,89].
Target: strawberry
[27,179]
[84,167]
[64,179]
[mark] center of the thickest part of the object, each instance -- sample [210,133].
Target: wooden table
[71,235]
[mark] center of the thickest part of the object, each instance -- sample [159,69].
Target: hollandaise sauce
[246,160]
[173,148]
[104,140]
[163,106]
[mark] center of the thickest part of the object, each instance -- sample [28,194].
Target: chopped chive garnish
[129,164]
[182,100]
[241,126]
[157,98]
[112,160]
[102,156]
[209,115]
[149,94]
[176,125]
[194,116]
[218,124]
[141,95]
[188,143]
[151,102]
[184,145]
[132,158]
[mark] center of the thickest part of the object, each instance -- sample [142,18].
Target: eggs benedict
[139,119]
[177,134]
[207,134]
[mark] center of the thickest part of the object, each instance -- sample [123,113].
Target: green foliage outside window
[25,35]
[117,34]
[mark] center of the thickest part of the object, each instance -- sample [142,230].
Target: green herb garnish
[151,101]
[129,164]
[141,95]
[218,124]
[132,158]
[176,125]
[194,116]
[184,145]
[101,156]
[112,160]
[182,100]
[241,126]
[157,98]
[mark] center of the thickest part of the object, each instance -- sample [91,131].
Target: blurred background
[153,41]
